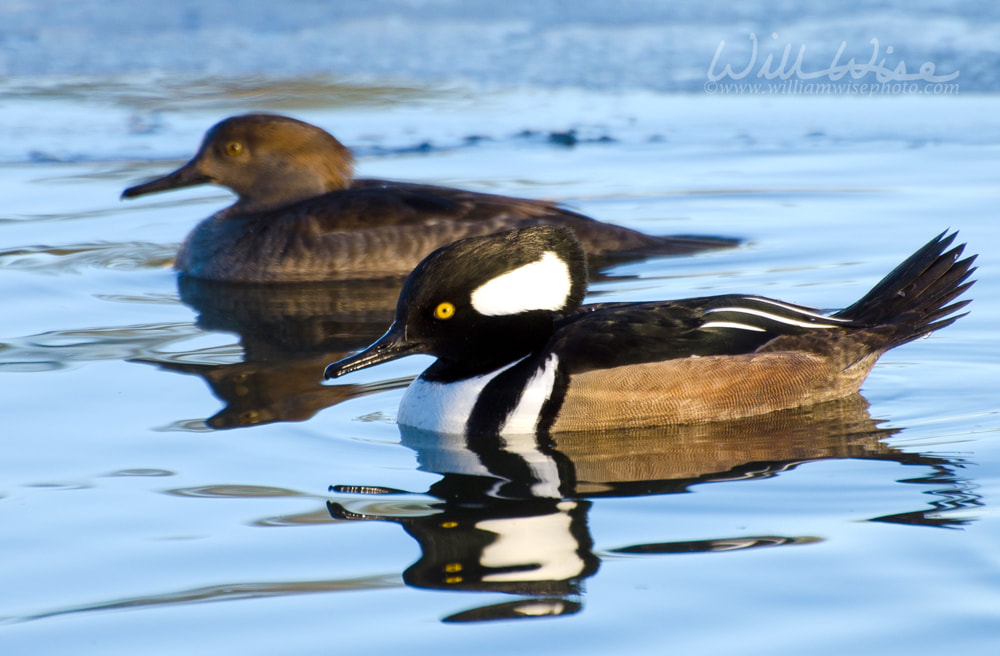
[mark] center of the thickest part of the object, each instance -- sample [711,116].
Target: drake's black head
[267,160]
[481,303]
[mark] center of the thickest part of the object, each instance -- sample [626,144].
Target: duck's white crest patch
[541,285]
[524,418]
[443,407]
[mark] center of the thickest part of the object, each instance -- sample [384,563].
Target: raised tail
[915,299]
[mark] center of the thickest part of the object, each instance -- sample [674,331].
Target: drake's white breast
[446,407]
[442,407]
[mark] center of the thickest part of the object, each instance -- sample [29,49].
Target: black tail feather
[915,299]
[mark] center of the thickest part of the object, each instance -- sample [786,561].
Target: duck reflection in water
[288,333]
[511,515]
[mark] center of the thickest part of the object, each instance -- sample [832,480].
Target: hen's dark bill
[186,176]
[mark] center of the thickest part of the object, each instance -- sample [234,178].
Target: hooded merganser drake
[301,217]
[517,353]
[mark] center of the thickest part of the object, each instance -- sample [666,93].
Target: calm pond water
[175,478]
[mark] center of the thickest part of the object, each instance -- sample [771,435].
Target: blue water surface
[176,480]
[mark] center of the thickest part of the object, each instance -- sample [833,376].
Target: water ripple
[126,256]
[59,349]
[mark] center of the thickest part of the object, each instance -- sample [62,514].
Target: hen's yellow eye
[234,148]
[444,310]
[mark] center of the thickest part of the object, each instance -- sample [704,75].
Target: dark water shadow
[512,516]
[288,334]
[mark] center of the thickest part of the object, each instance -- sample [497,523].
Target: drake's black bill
[185,176]
[390,346]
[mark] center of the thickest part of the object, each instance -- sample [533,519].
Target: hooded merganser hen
[516,353]
[300,217]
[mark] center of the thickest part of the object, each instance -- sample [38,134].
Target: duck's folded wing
[610,335]
[372,203]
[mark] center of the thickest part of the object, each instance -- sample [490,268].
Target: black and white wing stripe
[765,315]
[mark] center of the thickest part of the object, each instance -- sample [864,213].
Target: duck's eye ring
[234,148]
[444,310]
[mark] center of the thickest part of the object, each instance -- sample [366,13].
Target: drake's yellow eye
[444,310]
[234,148]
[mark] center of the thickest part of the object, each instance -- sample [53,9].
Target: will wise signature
[770,70]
